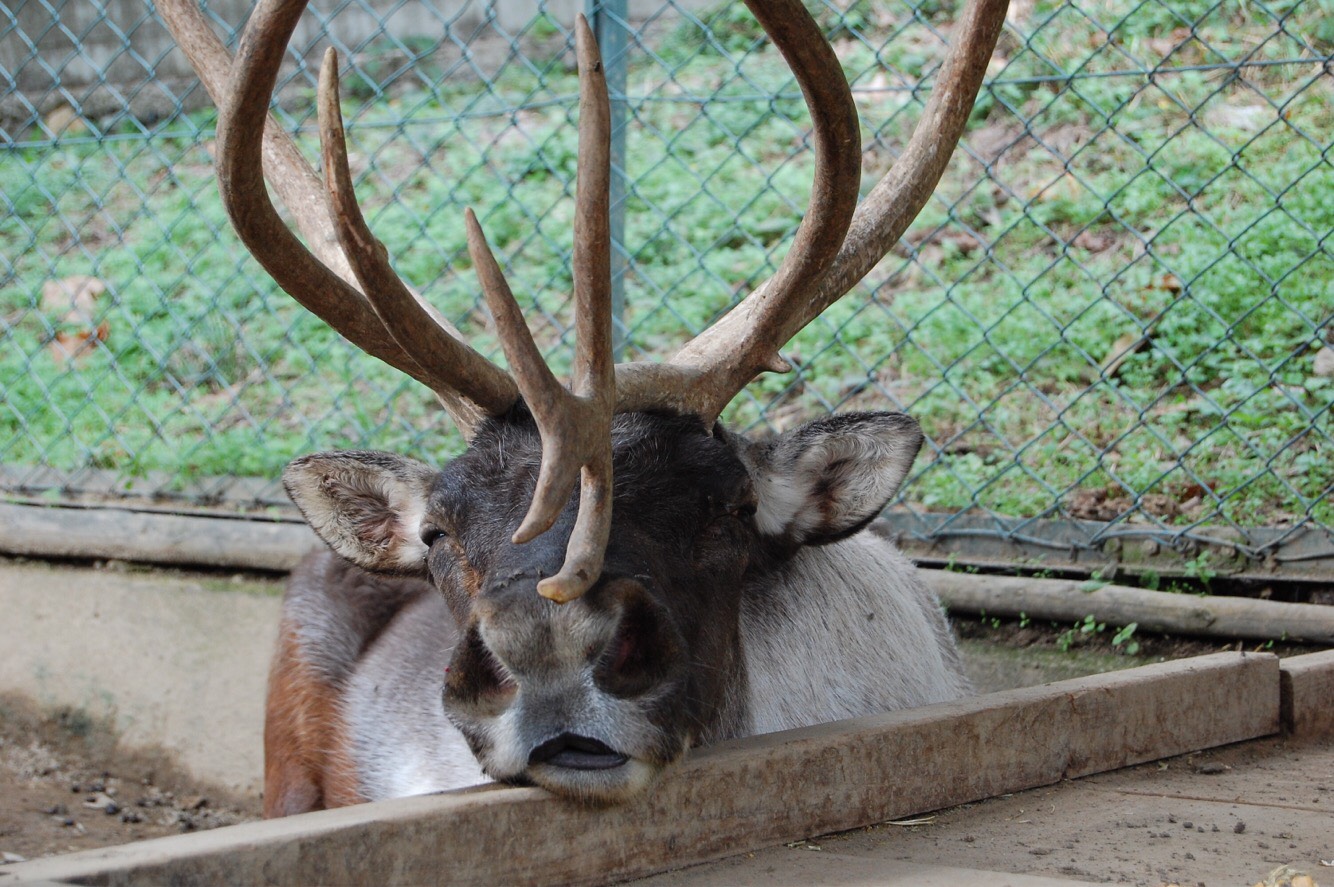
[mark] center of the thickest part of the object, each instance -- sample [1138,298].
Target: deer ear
[828,479]
[368,507]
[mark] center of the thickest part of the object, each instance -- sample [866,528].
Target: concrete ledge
[175,662]
[1308,695]
[733,797]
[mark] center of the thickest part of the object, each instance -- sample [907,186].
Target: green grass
[1099,205]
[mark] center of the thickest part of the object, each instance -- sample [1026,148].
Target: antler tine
[594,369]
[897,198]
[296,183]
[549,401]
[711,369]
[575,424]
[319,281]
[453,365]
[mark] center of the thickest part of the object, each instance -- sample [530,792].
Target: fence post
[609,20]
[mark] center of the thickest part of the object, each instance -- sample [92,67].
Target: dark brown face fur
[609,675]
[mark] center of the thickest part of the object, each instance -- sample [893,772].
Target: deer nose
[577,753]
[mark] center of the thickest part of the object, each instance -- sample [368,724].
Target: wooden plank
[1067,601]
[115,534]
[1308,695]
[732,797]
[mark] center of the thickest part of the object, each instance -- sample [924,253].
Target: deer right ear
[829,478]
[367,506]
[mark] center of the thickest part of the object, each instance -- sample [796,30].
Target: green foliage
[1185,208]
[1122,640]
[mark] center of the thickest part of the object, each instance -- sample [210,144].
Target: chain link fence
[1113,320]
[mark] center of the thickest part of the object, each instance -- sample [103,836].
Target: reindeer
[485,621]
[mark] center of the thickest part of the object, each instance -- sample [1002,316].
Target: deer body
[822,632]
[606,577]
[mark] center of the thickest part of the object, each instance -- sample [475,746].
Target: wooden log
[1068,601]
[729,798]
[153,538]
[193,541]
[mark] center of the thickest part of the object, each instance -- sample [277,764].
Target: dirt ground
[1047,636]
[65,785]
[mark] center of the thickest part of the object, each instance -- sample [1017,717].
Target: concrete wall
[107,55]
[170,661]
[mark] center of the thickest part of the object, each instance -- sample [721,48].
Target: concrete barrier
[169,661]
[1308,695]
[728,798]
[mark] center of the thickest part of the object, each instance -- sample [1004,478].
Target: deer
[608,576]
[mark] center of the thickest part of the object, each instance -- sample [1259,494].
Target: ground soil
[66,785]
[1056,637]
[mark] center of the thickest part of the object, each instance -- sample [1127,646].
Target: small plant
[1023,619]
[544,27]
[1197,568]
[1085,627]
[1089,625]
[1094,582]
[1125,636]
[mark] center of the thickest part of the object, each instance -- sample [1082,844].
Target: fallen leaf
[71,295]
[1169,282]
[74,300]
[65,346]
[1323,365]
[1093,242]
[1120,352]
[64,121]
[1064,187]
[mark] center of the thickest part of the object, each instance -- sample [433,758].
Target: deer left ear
[367,506]
[828,479]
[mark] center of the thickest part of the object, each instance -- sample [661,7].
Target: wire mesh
[1114,314]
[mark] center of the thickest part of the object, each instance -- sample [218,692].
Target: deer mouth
[575,752]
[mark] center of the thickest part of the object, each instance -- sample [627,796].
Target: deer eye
[430,534]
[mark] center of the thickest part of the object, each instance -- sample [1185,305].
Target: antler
[836,245]
[575,424]
[712,368]
[467,384]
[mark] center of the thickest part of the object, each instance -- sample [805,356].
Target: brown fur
[306,761]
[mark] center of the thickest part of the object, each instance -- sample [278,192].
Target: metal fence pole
[609,22]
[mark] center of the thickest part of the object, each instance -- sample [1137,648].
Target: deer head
[599,632]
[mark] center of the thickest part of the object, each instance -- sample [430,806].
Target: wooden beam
[1070,601]
[153,538]
[730,798]
[278,546]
